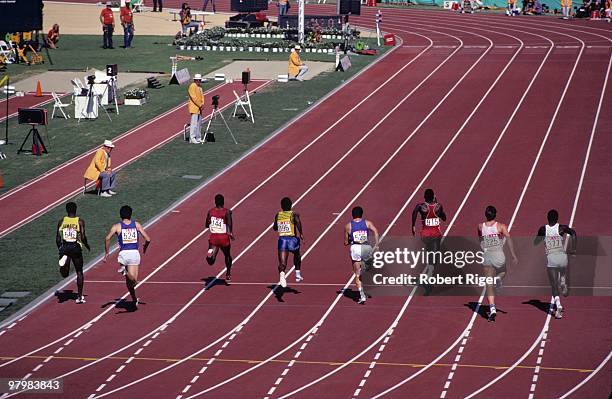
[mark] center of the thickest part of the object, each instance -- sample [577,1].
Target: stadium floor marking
[323,284]
[313,362]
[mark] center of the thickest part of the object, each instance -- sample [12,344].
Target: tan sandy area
[85,19]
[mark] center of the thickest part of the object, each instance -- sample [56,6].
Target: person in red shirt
[53,36]
[219,221]
[127,21]
[107,19]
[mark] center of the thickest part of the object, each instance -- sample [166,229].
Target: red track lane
[563,157]
[251,165]
[217,311]
[283,141]
[473,138]
[29,201]
[27,101]
[258,293]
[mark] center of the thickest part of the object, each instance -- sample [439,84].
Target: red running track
[27,101]
[434,125]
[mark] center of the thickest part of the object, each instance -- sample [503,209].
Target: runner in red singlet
[219,221]
[431,213]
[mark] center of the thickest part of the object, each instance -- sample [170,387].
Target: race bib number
[432,222]
[284,227]
[553,243]
[360,236]
[217,225]
[491,241]
[69,234]
[129,236]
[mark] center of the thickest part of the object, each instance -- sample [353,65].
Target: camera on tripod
[215,101]
[91,79]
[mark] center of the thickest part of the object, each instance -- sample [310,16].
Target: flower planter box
[258,49]
[207,48]
[200,48]
[135,101]
[266,50]
[275,50]
[214,48]
[240,48]
[188,48]
[251,49]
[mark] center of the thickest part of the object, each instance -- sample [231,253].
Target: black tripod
[208,134]
[38,145]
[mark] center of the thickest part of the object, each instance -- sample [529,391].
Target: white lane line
[574,208]
[590,376]
[248,195]
[510,224]
[549,315]
[163,327]
[385,336]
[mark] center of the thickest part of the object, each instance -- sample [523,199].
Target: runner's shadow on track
[350,294]
[67,295]
[215,281]
[543,306]
[125,306]
[280,291]
[483,310]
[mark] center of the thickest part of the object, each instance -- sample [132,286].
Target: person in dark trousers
[107,19]
[157,3]
[127,21]
[206,4]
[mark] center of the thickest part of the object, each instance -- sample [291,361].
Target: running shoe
[298,276]
[122,271]
[362,299]
[105,194]
[564,290]
[111,192]
[62,261]
[492,316]
[80,299]
[228,277]
[559,312]
[283,280]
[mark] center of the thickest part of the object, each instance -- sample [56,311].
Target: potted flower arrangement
[135,97]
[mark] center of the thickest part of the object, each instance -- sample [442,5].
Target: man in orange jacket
[297,68]
[195,105]
[100,168]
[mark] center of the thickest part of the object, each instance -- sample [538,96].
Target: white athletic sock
[298,273]
[492,308]
[557,301]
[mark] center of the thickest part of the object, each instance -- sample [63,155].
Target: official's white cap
[298,47]
[108,3]
[197,76]
[108,143]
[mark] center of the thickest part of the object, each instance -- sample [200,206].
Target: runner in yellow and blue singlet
[289,227]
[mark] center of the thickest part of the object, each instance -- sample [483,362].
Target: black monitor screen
[20,15]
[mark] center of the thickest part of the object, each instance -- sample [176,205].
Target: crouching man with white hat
[297,68]
[195,105]
[100,171]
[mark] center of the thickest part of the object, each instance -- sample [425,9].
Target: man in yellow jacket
[297,68]
[195,105]
[100,168]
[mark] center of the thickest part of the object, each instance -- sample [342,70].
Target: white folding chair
[7,52]
[59,105]
[138,6]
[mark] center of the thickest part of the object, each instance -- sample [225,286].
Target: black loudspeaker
[248,5]
[349,7]
[27,116]
[246,77]
[111,70]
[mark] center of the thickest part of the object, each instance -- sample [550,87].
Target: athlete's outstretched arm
[504,231]
[540,236]
[58,237]
[113,230]
[441,213]
[415,213]
[83,235]
[230,224]
[568,230]
[371,226]
[298,224]
[146,237]
[207,223]
[347,234]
